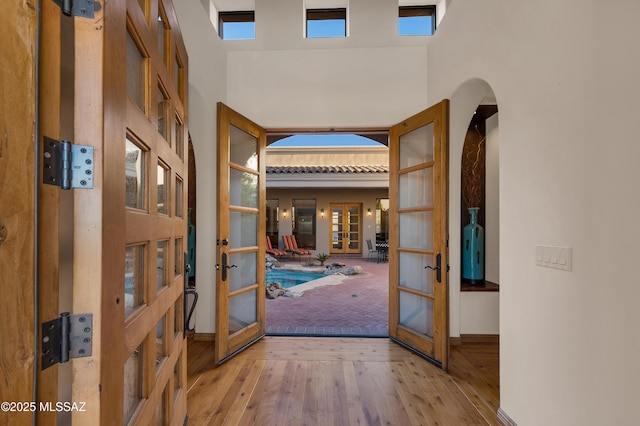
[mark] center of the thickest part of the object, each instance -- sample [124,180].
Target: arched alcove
[473,119]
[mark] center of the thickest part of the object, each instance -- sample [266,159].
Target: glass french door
[240,303]
[418,312]
[346,228]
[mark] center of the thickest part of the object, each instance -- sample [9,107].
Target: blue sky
[325,140]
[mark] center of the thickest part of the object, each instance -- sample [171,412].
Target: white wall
[207,86]
[567,89]
[371,78]
[479,312]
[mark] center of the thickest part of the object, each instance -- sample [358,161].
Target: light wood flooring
[341,381]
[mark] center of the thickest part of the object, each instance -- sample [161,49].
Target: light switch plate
[554,257]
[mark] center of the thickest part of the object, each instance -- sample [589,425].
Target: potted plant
[322,257]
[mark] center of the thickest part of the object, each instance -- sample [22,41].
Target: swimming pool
[291,278]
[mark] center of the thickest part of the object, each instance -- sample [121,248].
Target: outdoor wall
[324,156]
[568,339]
[323,199]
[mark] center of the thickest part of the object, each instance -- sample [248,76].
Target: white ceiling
[234,5]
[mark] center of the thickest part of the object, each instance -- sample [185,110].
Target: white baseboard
[505,419]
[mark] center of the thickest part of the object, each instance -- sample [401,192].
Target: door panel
[144,214]
[346,228]
[418,311]
[240,290]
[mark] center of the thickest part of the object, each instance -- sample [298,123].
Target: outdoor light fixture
[321,212]
[369,212]
[284,213]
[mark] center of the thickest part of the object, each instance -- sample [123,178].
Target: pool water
[291,278]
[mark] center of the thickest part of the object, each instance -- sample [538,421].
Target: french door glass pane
[243,189]
[163,189]
[336,228]
[136,73]
[416,147]
[163,35]
[177,266]
[243,229]
[411,272]
[177,316]
[179,196]
[416,230]
[242,311]
[161,264]
[176,76]
[177,378]
[415,189]
[133,278]
[161,341]
[178,137]
[163,114]
[243,147]
[135,173]
[133,369]
[416,313]
[245,274]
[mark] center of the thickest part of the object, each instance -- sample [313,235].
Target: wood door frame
[345,215]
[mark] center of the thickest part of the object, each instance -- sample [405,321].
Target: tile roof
[326,169]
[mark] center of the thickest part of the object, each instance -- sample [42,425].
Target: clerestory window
[326,23]
[237,25]
[416,20]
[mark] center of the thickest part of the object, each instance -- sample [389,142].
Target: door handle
[437,268]
[225,266]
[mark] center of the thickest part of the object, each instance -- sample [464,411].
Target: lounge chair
[274,252]
[291,246]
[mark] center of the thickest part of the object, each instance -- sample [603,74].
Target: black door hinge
[82,8]
[67,165]
[69,336]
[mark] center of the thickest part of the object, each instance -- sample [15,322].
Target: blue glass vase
[473,250]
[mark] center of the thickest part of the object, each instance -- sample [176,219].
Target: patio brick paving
[357,307]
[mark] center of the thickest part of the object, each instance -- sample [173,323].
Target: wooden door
[129,231]
[418,311]
[241,273]
[17,208]
[346,228]
[153,183]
